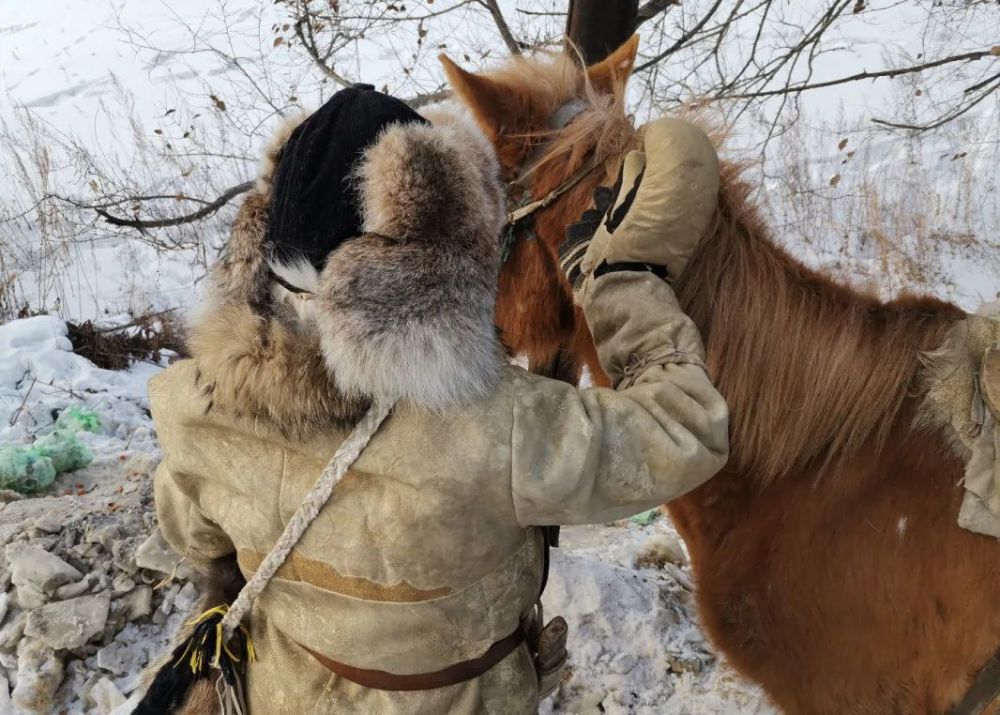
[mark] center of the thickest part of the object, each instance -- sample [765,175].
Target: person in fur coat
[363,266]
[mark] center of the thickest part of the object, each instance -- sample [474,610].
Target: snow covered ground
[94,519]
[634,639]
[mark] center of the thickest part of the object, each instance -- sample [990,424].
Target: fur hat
[315,204]
[403,311]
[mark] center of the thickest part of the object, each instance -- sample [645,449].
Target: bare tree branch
[978,86]
[947,116]
[795,89]
[649,10]
[508,37]
[542,13]
[422,100]
[304,31]
[210,208]
[683,40]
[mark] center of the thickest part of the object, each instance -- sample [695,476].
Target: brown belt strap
[452,675]
[983,698]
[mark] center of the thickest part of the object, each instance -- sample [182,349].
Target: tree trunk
[597,27]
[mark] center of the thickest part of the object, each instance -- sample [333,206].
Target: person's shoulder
[177,372]
[176,386]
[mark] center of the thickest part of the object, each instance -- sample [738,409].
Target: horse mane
[812,370]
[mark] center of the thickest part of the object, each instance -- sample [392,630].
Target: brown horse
[828,562]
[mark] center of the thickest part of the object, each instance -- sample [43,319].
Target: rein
[559,120]
[527,210]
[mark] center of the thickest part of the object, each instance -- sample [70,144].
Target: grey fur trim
[406,312]
[241,275]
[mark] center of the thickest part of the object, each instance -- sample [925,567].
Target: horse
[828,564]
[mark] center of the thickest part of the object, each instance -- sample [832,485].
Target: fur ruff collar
[403,312]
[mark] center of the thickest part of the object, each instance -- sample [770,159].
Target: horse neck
[812,371]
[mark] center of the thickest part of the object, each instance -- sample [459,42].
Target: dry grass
[892,218]
[115,348]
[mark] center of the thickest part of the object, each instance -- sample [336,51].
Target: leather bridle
[517,216]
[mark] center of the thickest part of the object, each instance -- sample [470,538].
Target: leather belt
[452,675]
[983,698]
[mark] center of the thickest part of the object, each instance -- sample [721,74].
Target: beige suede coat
[428,551]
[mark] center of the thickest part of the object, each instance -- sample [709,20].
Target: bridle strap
[523,212]
[559,120]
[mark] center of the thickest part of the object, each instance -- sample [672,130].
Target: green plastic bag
[77,420]
[31,469]
[645,518]
[65,450]
[25,471]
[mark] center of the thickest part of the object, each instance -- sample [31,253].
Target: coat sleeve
[599,454]
[183,523]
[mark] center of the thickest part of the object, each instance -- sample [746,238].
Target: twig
[679,576]
[682,40]
[209,209]
[979,85]
[62,390]
[138,321]
[16,415]
[313,51]
[508,37]
[422,100]
[795,89]
[543,13]
[944,118]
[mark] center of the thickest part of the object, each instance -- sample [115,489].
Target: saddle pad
[980,510]
[963,397]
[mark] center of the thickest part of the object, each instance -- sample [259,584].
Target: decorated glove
[658,211]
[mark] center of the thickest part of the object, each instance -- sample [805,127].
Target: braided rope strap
[315,500]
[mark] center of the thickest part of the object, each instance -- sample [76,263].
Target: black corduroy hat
[314,204]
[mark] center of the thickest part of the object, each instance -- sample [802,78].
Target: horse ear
[613,71]
[489,101]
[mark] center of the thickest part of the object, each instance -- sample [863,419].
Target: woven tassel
[204,655]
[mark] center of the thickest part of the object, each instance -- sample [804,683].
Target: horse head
[560,130]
